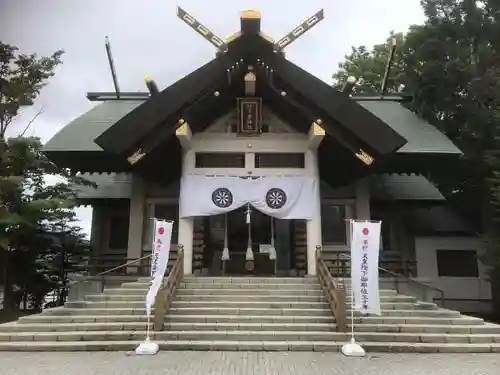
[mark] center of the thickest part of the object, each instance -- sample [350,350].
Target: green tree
[30,210]
[451,65]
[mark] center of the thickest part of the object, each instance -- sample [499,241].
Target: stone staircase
[246,313]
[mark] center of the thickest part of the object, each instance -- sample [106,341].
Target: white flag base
[147,347]
[353,349]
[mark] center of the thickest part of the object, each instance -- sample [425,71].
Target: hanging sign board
[249,115]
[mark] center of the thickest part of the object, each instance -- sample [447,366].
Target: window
[279,160]
[457,263]
[333,223]
[118,232]
[220,160]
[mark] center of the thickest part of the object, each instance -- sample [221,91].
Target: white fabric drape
[280,197]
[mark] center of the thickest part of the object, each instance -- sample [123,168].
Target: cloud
[148,39]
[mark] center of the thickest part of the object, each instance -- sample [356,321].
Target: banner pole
[352,315]
[352,349]
[352,293]
[148,328]
[161,250]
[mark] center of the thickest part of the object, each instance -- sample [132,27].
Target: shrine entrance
[256,244]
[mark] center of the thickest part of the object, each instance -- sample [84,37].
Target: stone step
[54,319]
[278,304]
[207,297]
[283,336]
[294,311]
[428,328]
[169,326]
[397,306]
[249,297]
[242,311]
[460,321]
[248,311]
[251,280]
[370,347]
[418,320]
[225,291]
[194,303]
[248,326]
[308,286]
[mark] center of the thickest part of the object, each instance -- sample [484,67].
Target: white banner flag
[365,246]
[159,262]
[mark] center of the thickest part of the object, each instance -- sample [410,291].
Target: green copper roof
[80,133]
[422,137]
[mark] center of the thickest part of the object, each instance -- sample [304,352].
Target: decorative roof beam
[104,96]
[250,22]
[349,85]
[184,134]
[151,85]
[300,30]
[202,30]
[316,134]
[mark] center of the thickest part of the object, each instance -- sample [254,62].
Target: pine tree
[35,218]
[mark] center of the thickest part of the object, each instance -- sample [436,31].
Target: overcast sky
[148,39]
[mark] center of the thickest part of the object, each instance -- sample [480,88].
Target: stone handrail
[167,291]
[335,292]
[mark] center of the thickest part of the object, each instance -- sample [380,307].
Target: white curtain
[280,197]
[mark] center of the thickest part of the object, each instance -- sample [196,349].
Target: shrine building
[259,163]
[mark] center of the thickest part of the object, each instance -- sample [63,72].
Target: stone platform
[246,314]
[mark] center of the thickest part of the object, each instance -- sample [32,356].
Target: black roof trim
[335,104]
[170,102]
[348,119]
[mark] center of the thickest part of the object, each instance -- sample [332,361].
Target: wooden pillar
[313,227]
[136,219]
[363,200]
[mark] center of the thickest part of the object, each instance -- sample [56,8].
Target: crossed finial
[222,46]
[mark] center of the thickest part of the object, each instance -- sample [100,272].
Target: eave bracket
[184,134]
[316,134]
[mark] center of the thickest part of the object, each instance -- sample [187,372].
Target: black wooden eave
[192,99]
[334,107]
[163,108]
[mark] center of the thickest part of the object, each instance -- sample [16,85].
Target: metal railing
[101,276]
[407,279]
[115,265]
[339,264]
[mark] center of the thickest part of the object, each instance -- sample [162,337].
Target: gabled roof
[193,99]
[295,95]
